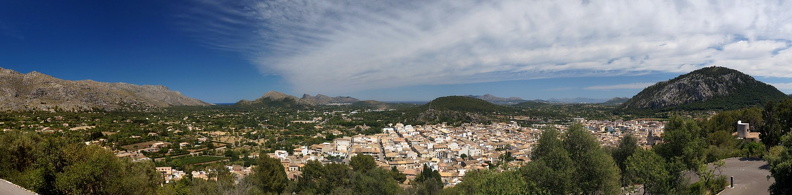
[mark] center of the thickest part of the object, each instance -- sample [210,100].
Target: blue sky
[396,50]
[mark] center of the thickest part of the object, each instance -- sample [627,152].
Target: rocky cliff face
[707,88]
[37,91]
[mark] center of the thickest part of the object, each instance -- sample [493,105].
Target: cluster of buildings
[452,151]
[647,132]
[170,174]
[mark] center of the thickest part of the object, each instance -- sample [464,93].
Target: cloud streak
[620,86]
[343,46]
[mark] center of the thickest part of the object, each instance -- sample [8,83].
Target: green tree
[428,181]
[489,182]
[181,187]
[312,177]
[596,170]
[682,138]
[339,176]
[753,149]
[94,170]
[398,175]
[552,170]
[362,163]
[648,168]
[780,160]
[269,175]
[627,146]
[777,122]
[375,181]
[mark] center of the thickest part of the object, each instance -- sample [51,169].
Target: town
[452,151]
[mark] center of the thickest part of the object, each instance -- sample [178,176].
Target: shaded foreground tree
[780,160]
[363,178]
[683,139]
[362,163]
[777,122]
[552,168]
[627,146]
[577,164]
[648,168]
[49,165]
[428,181]
[596,170]
[269,175]
[490,182]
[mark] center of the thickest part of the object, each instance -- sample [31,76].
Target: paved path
[750,176]
[7,187]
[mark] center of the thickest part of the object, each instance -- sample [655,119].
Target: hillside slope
[37,91]
[704,89]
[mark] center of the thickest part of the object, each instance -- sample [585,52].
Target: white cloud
[620,86]
[782,86]
[340,46]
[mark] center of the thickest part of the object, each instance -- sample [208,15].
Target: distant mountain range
[274,98]
[37,91]
[704,89]
[579,100]
[498,100]
[515,100]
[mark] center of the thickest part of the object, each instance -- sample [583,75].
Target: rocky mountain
[497,100]
[274,98]
[703,89]
[37,91]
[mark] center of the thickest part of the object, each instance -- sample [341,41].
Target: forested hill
[455,110]
[704,89]
[462,104]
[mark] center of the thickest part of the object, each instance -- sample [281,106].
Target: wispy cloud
[782,86]
[340,46]
[620,86]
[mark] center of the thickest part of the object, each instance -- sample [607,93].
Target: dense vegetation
[463,104]
[52,165]
[563,162]
[701,90]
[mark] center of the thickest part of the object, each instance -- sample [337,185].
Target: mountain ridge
[275,98]
[39,91]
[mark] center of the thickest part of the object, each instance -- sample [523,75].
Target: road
[7,187]
[750,176]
